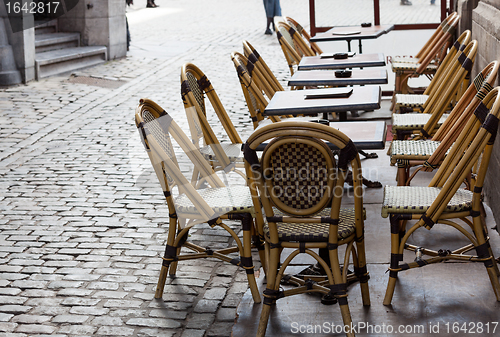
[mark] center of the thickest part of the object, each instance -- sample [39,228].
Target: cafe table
[349,33]
[330,78]
[366,135]
[324,62]
[324,101]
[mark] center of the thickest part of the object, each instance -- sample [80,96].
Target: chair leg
[397,231]
[391,285]
[346,316]
[494,281]
[161,282]
[269,293]
[246,259]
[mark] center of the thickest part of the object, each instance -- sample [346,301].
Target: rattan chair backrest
[157,129]
[253,56]
[295,39]
[465,118]
[296,173]
[438,49]
[195,86]
[438,33]
[469,149]
[298,27]
[459,45]
[287,46]
[254,97]
[447,91]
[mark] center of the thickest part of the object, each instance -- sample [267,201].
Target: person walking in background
[273,9]
[151,4]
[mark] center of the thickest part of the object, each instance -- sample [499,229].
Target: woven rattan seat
[399,64]
[412,101]
[316,232]
[413,121]
[418,199]
[233,152]
[412,150]
[222,200]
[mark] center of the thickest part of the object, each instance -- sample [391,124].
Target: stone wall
[100,23]
[486,29]
[22,44]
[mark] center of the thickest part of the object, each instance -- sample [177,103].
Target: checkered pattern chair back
[299,174]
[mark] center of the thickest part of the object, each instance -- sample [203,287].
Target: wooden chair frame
[469,149]
[433,50]
[156,127]
[401,99]
[461,119]
[439,102]
[312,134]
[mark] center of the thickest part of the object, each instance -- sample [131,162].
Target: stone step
[45,27]
[54,41]
[59,61]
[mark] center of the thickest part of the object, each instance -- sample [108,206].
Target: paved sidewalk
[82,218]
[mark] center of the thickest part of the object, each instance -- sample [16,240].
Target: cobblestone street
[82,217]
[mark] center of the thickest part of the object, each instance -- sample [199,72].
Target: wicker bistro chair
[411,102]
[442,201]
[426,123]
[195,88]
[272,83]
[255,91]
[305,35]
[206,200]
[305,213]
[428,154]
[293,45]
[428,60]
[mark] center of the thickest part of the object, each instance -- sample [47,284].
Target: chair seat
[233,152]
[413,121]
[317,232]
[223,200]
[418,199]
[412,149]
[409,100]
[411,66]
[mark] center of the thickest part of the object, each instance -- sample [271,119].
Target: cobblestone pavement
[82,218]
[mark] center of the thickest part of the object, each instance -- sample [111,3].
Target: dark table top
[366,135]
[344,33]
[325,77]
[356,61]
[295,102]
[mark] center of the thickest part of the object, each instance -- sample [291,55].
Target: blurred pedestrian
[273,9]
[151,4]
